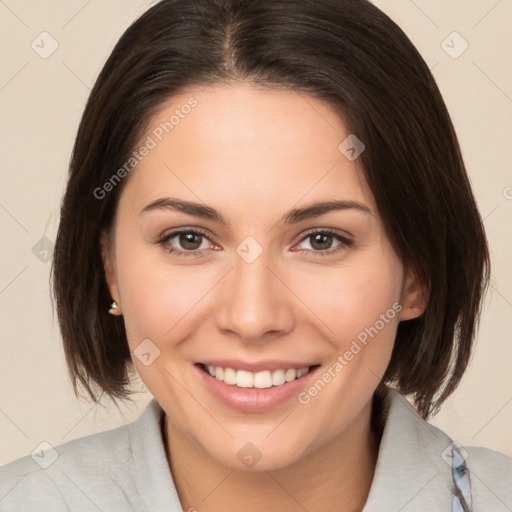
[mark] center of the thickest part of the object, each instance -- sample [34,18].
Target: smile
[255,387]
[261,380]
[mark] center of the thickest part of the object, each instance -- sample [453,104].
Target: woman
[269,220]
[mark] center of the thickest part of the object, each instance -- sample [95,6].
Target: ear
[108,267]
[415,297]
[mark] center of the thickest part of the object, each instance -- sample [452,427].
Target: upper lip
[258,366]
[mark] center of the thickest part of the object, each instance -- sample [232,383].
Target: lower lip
[254,399]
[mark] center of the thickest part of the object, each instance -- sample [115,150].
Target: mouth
[263,379]
[255,388]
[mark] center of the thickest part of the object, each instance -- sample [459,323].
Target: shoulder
[490,471]
[70,475]
[415,470]
[95,449]
[491,478]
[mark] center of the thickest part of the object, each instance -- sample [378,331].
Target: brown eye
[325,242]
[186,242]
[190,241]
[321,241]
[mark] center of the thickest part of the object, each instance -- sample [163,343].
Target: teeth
[278,377]
[290,375]
[261,380]
[244,379]
[219,373]
[229,376]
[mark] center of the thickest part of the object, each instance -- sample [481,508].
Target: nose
[254,302]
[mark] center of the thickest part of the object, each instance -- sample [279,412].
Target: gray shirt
[125,469]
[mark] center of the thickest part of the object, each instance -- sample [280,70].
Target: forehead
[233,143]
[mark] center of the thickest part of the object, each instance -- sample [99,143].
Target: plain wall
[41,102]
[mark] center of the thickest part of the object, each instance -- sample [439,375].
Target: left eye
[189,242]
[322,242]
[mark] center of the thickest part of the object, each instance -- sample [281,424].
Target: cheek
[351,298]
[358,308]
[158,297]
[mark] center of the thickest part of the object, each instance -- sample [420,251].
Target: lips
[249,398]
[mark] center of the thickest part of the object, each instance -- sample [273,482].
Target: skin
[254,154]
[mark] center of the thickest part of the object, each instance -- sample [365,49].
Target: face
[251,280]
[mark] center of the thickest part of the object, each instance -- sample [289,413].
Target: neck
[340,472]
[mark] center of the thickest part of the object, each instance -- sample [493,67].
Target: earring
[113,308]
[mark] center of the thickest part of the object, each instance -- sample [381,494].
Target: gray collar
[413,471]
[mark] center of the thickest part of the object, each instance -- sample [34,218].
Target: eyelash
[345,242]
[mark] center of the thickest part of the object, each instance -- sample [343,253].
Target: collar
[410,475]
[412,472]
[152,474]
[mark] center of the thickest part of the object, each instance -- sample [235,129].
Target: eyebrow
[292,217]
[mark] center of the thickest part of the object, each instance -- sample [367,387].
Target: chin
[250,458]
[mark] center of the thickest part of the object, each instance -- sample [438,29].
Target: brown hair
[346,52]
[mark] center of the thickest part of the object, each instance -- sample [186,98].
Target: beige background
[41,101]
